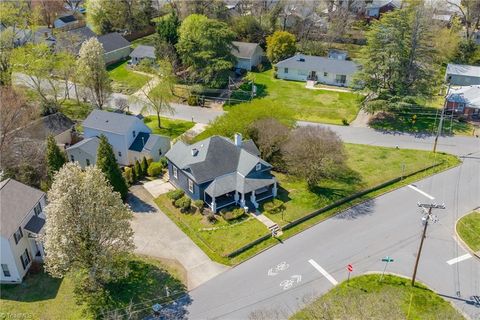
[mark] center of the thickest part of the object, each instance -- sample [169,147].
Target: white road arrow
[297,277]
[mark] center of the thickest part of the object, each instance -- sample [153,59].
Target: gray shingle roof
[243,50]
[320,64]
[52,124]
[113,41]
[467,94]
[16,201]
[143,52]
[463,70]
[109,121]
[236,181]
[89,146]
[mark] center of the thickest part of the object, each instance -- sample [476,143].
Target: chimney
[194,152]
[238,139]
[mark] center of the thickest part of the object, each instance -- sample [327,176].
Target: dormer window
[133,133]
[258,167]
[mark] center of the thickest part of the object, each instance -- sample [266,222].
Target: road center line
[459,259]
[322,271]
[421,192]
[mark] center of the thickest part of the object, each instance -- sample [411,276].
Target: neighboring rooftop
[67,19]
[89,146]
[324,64]
[113,41]
[470,95]
[40,129]
[142,51]
[463,69]
[243,50]
[16,201]
[109,121]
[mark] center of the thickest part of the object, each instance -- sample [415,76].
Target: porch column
[214,205]
[252,198]
[274,189]
[242,202]
[236,197]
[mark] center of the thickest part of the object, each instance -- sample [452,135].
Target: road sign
[350,268]
[387,259]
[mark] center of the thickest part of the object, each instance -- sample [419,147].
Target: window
[285,70]
[18,235]
[175,172]
[325,74]
[72,158]
[133,133]
[258,167]
[5,270]
[25,258]
[88,161]
[190,185]
[38,209]
[341,78]
[119,154]
[159,152]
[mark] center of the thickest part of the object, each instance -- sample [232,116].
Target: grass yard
[368,166]
[170,127]
[146,41]
[75,110]
[468,228]
[216,243]
[309,105]
[393,298]
[43,297]
[124,80]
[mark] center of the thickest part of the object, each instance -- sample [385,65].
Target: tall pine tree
[55,157]
[107,163]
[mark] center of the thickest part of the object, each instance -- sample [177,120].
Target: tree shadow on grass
[37,286]
[146,285]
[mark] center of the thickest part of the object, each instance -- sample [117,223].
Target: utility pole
[439,131]
[426,218]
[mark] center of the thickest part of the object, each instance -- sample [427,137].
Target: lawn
[227,237]
[366,297]
[125,80]
[74,110]
[368,166]
[309,105]
[146,41]
[43,297]
[170,127]
[468,228]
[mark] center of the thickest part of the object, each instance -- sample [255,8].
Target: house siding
[461,80]
[302,75]
[81,157]
[182,182]
[117,55]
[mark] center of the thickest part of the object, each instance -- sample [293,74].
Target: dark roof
[143,52]
[53,124]
[319,64]
[113,41]
[243,50]
[139,142]
[110,121]
[35,224]
[463,70]
[68,19]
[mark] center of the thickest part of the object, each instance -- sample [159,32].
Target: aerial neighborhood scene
[240,159]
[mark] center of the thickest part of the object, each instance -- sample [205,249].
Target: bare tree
[470,13]
[49,9]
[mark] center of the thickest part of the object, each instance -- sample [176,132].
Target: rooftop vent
[301,59]
[194,152]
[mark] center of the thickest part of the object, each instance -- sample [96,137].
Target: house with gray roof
[130,137]
[116,47]
[464,101]
[462,74]
[248,55]
[221,172]
[21,225]
[142,52]
[332,71]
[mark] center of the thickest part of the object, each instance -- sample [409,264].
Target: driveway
[157,236]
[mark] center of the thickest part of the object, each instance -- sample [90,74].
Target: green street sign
[387,259]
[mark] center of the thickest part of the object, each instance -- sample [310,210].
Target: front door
[313,75]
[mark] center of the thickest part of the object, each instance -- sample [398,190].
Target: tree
[87,226]
[49,10]
[55,157]
[470,13]
[91,71]
[205,46]
[398,59]
[249,29]
[467,52]
[138,170]
[107,163]
[144,166]
[167,28]
[313,153]
[280,45]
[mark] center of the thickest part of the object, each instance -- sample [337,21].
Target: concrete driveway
[157,236]
[158,187]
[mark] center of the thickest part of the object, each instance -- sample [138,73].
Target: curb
[460,240]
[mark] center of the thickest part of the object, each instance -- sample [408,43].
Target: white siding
[8,259]
[302,74]
[118,142]
[81,157]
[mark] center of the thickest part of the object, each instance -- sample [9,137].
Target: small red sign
[350,268]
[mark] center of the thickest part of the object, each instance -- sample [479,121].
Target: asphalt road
[388,225]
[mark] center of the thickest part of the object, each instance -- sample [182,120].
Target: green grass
[124,80]
[43,297]
[368,166]
[76,111]
[366,297]
[468,228]
[216,243]
[309,105]
[170,127]
[146,41]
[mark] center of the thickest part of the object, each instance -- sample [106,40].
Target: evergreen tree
[107,163]
[55,157]
[138,170]
[144,166]
[134,176]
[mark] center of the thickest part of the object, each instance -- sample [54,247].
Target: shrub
[211,218]
[274,206]
[144,166]
[138,170]
[175,194]
[192,100]
[149,161]
[345,122]
[184,203]
[232,214]
[462,118]
[163,161]
[154,169]
[127,174]
[199,204]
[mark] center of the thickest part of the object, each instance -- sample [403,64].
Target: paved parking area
[158,187]
[157,236]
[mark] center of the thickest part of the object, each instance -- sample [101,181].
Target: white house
[334,71]
[130,138]
[22,220]
[462,75]
[248,55]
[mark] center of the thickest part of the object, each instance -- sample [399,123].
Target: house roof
[321,64]
[143,52]
[16,201]
[140,141]
[53,124]
[463,70]
[113,41]
[109,121]
[382,3]
[67,19]
[35,224]
[214,157]
[236,182]
[89,146]
[152,141]
[244,50]
[470,95]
